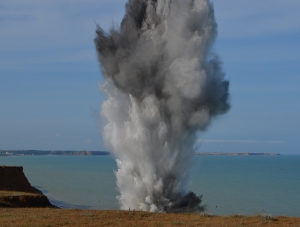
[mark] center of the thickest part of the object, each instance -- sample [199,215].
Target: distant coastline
[41,152]
[235,154]
[89,153]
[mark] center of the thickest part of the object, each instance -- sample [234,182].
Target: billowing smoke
[163,85]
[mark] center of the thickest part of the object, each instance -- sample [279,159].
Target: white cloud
[87,141]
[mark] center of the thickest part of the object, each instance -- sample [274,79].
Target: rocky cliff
[12,178]
[16,191]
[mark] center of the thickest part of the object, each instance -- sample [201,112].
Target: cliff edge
[16,191]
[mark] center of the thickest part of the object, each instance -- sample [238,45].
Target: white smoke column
[163,85]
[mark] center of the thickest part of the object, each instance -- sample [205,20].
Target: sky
[49,74]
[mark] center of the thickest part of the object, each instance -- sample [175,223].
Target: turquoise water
[71,181]
[249,185]
[229,184]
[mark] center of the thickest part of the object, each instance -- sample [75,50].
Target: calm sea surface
[229,185]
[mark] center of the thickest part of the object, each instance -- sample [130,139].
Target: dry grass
[16,193]
[23,199]
[49,217]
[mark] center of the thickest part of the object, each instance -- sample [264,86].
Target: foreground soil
[49,217]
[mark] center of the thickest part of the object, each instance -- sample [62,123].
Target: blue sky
[49,74]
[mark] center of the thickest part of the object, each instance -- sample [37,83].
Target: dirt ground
[49,217]
[23,199]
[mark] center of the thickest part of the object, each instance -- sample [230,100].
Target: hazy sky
[49,74]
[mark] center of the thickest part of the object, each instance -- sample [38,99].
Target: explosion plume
[163,85]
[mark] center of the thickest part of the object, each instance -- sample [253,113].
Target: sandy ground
[49,217]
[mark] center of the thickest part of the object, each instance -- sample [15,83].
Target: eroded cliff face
[16,191]
[12,178]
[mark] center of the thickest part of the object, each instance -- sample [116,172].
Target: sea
[230,185]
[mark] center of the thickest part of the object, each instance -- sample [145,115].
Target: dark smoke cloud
[163,84]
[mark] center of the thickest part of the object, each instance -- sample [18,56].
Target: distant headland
[235,154]
[89,153]
[41,152]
